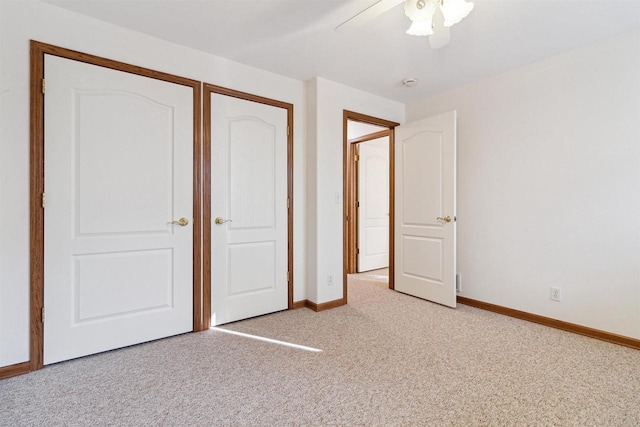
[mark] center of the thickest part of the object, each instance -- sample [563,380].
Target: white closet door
[425,228]
[118,170]
[249,199]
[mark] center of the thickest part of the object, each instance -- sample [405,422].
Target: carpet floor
[385,359]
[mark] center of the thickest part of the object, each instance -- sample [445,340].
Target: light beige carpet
[387,360]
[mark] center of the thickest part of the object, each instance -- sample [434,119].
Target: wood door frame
[208,90]
[38,50]
[349,185]
[352,197]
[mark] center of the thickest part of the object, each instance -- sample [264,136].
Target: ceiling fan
[431,18]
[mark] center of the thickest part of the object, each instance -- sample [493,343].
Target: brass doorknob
[183,222]
[445,219]
[221,221]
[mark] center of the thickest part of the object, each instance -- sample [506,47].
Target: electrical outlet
[556,294]
[458,282]
[329,280]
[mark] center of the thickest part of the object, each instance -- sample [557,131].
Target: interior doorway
[368,237]
[371,173]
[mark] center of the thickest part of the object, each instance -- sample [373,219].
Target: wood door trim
[359,117]
[348,188]
[209,89]
[352,208]
[392,207]
[38,50]
[13,370]
[370,137]
[322,306]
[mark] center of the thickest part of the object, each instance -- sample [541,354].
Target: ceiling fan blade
[441,34]
[376,9]
[440,37]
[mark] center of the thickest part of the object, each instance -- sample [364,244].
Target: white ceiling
[296,38]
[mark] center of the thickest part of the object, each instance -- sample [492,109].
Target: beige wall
[549,185]
[324,163]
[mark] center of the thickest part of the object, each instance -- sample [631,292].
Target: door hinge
[357,157]
[288,203]
[44,200]
[288,130]
[357,250]
[288,278]
[44,86]
[357,204]
[42,314]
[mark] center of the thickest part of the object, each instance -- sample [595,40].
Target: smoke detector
[409,82]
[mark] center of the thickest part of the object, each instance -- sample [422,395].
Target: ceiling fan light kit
[421,13]
[420,28]
[455,11]
[431,18]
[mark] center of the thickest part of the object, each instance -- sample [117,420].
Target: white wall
[24,20]
[325,149]
[549,185]
[311,163]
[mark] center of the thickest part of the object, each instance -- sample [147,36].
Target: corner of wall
[311,238]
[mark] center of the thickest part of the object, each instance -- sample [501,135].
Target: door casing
[208,89]
[349,190]
[37,54]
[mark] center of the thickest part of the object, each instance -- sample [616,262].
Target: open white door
[118,170]
[373,204]
[249,239]
[425,209]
